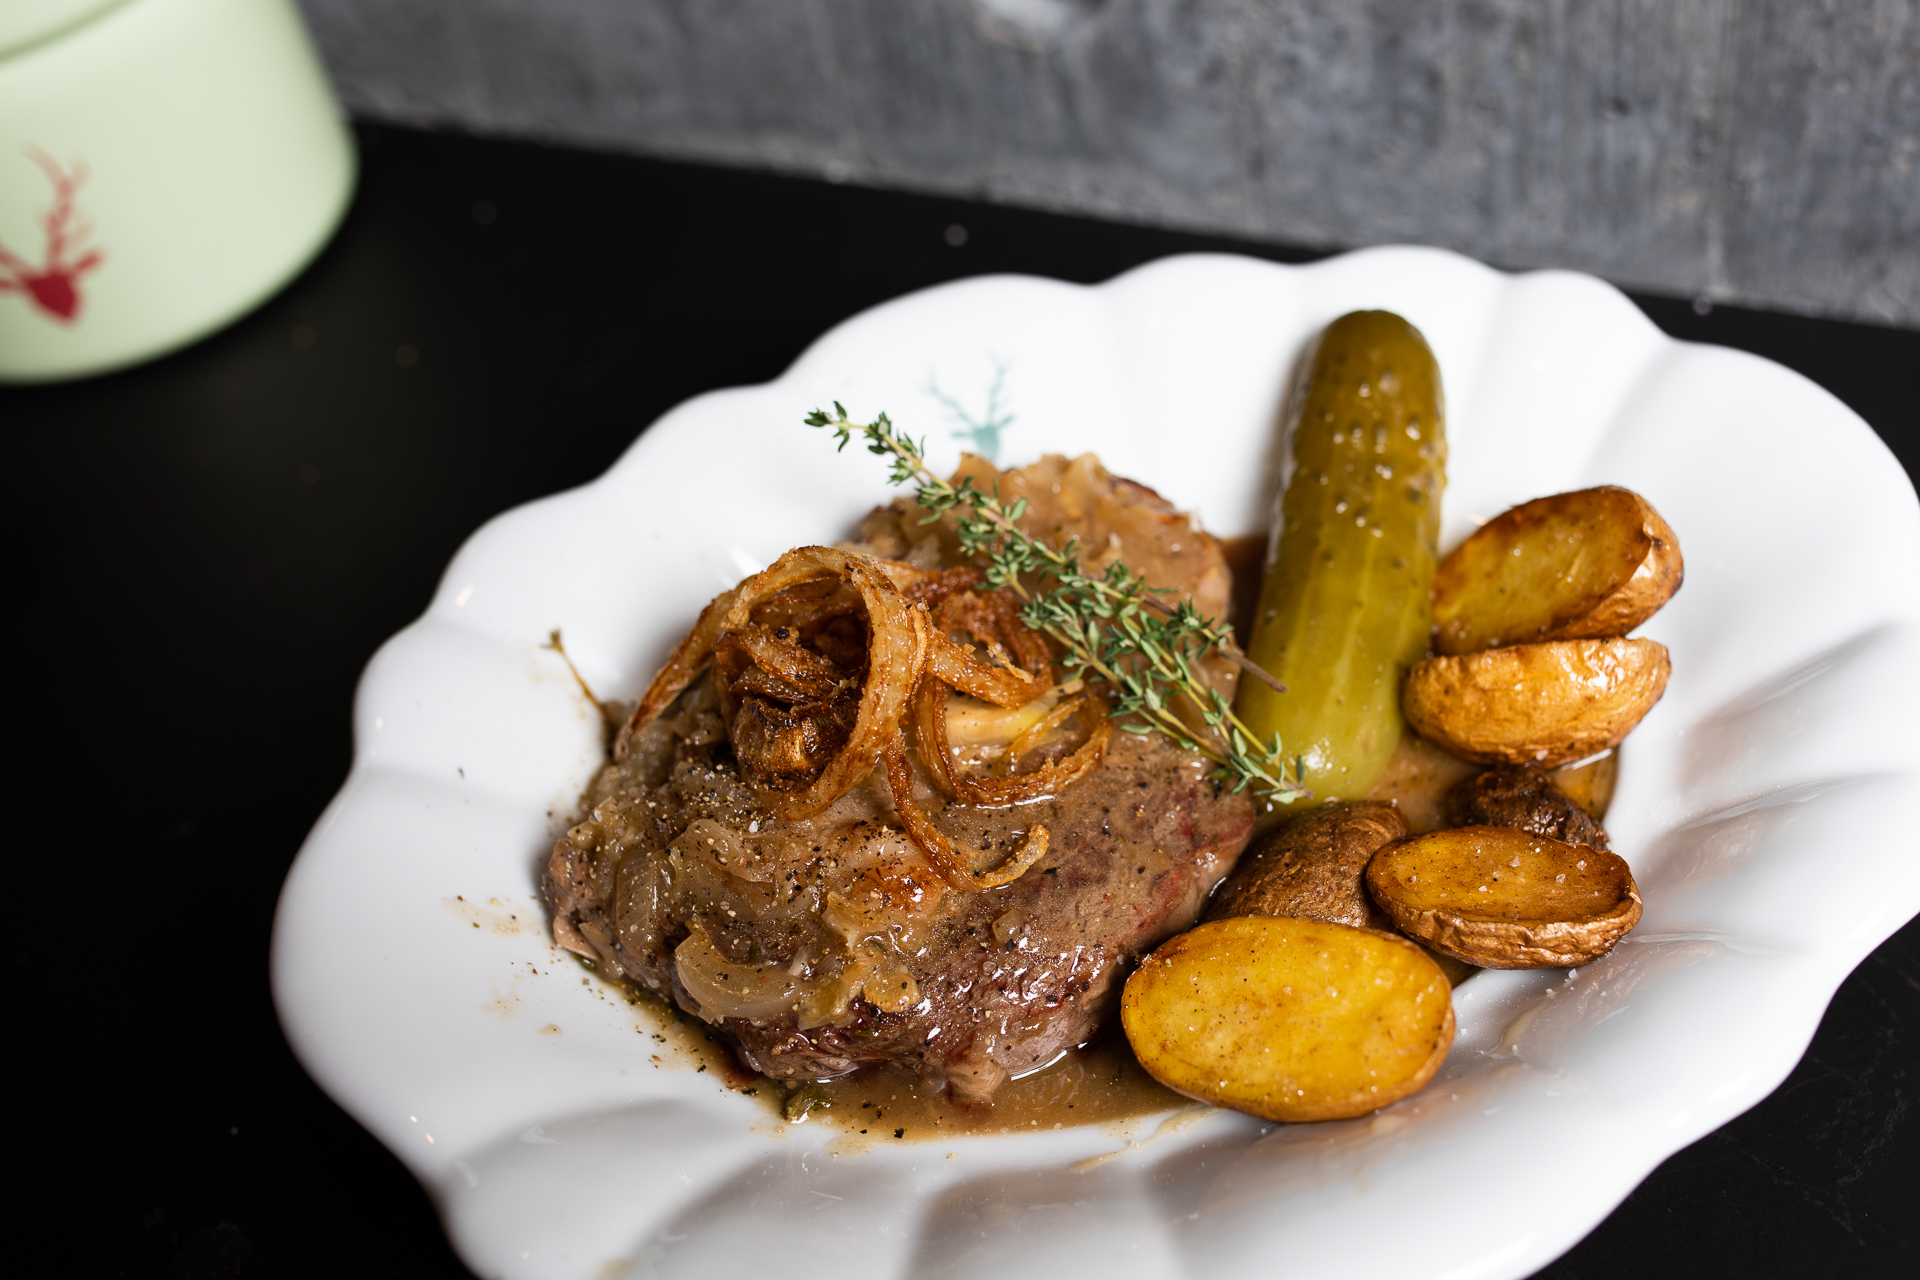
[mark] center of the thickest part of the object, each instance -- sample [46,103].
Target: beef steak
[823,944]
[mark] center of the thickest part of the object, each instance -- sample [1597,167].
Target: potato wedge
[1574,566]
[1289,1019]
[1502,898]
[1312,867]
[1519,795]
[1542,704]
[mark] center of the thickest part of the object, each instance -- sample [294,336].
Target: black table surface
[238,526]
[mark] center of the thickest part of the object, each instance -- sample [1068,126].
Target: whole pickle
[1347,604]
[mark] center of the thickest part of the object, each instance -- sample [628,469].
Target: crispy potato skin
[1502,898]
[1289,1019]
[1312,867]
[1573,566]
[1517,795]
[1542,704]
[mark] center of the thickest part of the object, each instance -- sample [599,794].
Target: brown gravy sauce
[1101,1082]
[1416,781]
[1246,557]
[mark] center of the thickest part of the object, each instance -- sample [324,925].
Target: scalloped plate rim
[340,1064]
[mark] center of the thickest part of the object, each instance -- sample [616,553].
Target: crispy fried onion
[942,852]
[1021,669]
[930,733]
[688,659]
[805,725]
[992,619]
[817,661]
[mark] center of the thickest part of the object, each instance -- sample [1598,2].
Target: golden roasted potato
[1505,899]
[1519,795]
[1574,566]
[1312,867]
[1543,704]
[1289,1019]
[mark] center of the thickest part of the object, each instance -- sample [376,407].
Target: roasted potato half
[1312,867]
[1574,566]
[1289,1019]
[1502,898]
[1519,795]
[1542,704]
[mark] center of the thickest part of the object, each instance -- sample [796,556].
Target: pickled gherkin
[1347,603]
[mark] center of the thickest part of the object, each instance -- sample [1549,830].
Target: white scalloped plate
[1773,784]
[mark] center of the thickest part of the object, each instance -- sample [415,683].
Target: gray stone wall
[1760,151]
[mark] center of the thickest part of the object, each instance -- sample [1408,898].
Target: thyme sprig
[1112,625]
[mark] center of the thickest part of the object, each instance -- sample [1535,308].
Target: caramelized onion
[930,587]
[897,638]
[815,696]
[930,730]
[785,669]
[827,615]
[1035,733]
[993,618]
[960,667]
[781,747]
[689,659]
[724,989]
[940,851]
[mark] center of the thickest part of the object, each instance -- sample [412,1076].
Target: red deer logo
[54,286]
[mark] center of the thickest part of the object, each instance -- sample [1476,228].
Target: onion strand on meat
[939,850]
[898,633]
[960,667]
[1035,733]
[993,617]
[688,659]
[930,731]
[806,727]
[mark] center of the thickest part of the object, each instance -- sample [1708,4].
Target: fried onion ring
[940,851]
[798,674]
[959,666]
[993,618]
[930,587]
[930,732]
[1026,669]
[1034,734]
[898,633]
[807,726]
[688,659]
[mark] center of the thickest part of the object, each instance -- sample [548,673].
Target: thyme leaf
[1142,642]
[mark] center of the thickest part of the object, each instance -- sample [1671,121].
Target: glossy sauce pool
[1099,1083]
